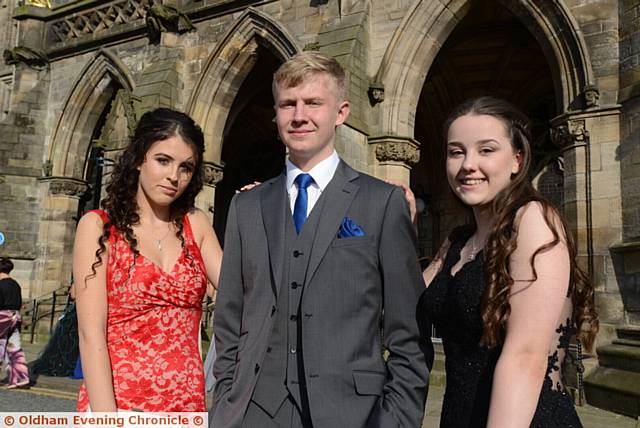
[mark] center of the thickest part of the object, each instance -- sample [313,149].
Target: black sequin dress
[452,305]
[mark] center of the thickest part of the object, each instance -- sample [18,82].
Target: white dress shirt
[321,174]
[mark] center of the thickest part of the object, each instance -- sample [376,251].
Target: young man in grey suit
[319,275]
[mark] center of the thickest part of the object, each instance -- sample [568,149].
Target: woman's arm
[91,305]
[209,248]
[536,307]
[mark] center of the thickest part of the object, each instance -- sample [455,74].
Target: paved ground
[37,399]
[59,394]
[590,416]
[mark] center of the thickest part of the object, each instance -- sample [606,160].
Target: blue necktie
[300,207]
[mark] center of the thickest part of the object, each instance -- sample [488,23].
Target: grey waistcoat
[279,371]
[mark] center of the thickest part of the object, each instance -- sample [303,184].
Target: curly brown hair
[120,203]
[502,238]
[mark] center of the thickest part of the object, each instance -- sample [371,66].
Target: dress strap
[190,239]
[103,215]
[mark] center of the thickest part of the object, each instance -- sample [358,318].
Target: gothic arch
[227,68]
[86,102]
[426,27]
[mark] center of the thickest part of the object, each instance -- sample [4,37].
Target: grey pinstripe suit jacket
[350,283]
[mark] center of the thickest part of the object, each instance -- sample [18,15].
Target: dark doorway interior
[95,159]
[251,150]
[489,53]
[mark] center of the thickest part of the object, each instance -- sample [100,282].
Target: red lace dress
[153,324]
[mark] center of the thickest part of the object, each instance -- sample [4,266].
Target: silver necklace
[474,250]
[158,242]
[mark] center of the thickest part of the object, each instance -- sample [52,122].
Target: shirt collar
[322,173]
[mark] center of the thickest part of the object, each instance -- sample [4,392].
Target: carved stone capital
[213,173]
[396,149]
[573,132]
[65,186]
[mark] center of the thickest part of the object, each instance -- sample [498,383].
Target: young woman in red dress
[142,265]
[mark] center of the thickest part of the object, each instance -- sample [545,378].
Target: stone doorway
[94,167]
[490,52]
[251,149]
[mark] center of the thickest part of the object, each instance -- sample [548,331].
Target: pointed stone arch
[426,27]
[94,89]
[227,68]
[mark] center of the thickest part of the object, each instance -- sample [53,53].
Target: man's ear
[343,112]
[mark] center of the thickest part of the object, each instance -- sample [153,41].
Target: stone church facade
[77,74]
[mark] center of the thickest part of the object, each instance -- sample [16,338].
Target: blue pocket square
[349,228]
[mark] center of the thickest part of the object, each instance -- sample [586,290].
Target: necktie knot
[303,181]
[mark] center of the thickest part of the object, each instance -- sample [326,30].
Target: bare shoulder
[198,219]
[90,223]
[537,222]
[197,215]
[90,229]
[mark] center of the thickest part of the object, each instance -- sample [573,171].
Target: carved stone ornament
[31,57]
[560,136]
[396,149]
[163,18]
[213,173]
[47,167]
[376,93]
[573,132]
[66,186]
[591,96]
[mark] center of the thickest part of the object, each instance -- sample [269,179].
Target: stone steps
[629,332]
[613,389]
[620,356]
[627,342]
[615,384]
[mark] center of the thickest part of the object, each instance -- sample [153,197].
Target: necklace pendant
[159,244]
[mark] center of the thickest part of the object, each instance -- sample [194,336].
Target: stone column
[592,203]
[60,196]
[395,156]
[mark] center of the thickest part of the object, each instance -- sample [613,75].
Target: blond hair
[305,64]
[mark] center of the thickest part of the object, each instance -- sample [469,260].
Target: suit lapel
[274,209]
[338,197]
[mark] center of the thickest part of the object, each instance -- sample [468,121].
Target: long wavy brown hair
[120,203]
[502,238]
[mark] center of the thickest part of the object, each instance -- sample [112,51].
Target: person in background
[141,267]
[505,293]
[10,321]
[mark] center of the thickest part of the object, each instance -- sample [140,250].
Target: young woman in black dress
[505,293]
